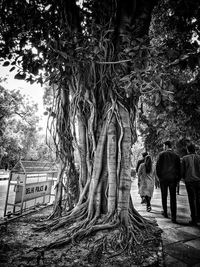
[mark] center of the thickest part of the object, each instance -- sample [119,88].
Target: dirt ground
[19,243]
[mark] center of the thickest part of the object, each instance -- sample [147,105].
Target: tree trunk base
[108,234]
[103,248]
[109,244]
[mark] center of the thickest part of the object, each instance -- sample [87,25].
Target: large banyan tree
[95,56]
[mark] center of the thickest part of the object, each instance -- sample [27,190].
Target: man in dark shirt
[168,170]
[191,176]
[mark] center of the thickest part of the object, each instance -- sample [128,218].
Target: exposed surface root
[102,244]
[117,238]
[56,213]
[78,233]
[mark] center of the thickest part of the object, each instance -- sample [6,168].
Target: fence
[30,184]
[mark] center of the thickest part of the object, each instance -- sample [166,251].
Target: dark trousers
[178,188]
[164,185]
[193,191]
[148,201]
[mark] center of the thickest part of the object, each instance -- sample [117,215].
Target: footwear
[174,220]
[164,214]
[149,208]
[143,200]
[192,223]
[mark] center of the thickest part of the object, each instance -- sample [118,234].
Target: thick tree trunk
[105,201]
[125,170]
[106,97]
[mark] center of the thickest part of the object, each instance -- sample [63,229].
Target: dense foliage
[20,136]
[176,53]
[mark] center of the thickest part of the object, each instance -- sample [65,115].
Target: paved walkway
[181,242]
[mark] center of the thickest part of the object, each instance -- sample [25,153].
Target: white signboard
[33,190]
[18,177]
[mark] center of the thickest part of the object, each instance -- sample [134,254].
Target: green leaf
[19,76]
[40,80]
[10,56]
[30,79]
[6,63]
[12,69]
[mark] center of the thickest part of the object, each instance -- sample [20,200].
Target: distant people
[146,181]
[191,176]
[6,167]
[141,161]
[182,151]
[168,170]
[182,154]
[156,180]
[178,188]
[157,183]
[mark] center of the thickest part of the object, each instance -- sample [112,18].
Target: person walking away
[140,161]
[157,183]
[181,151]
[191,177]
[168,170]
[146,181]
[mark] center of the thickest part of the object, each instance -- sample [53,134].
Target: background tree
[10,106]
[20,134]
[173,113]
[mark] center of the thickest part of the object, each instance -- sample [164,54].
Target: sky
[34,92]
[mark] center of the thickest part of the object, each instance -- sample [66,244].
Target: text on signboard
[31,190]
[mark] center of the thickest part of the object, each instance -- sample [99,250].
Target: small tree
[19,128]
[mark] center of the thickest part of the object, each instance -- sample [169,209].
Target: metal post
[23,192]
[44,197]
[8,189]
[38,179]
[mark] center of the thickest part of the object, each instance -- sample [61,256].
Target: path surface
[181,242]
